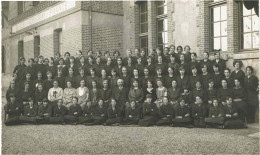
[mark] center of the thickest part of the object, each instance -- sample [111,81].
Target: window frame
[211,24]
[161,17]
[140,14]
[146,49]
[241,31]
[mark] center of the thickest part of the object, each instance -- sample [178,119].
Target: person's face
[90,53]
[149,100]
[165,100]
[92,72]
[170,70]
[136,51]
[205,56]
[94,84]
[237,65]
[113,103]
[22,61]
[179,49]
[69,84]
[72,60]
[116,54]
[149,60]
[193,57]
[109,61]
[182,57]
[135,72]
[105,84]
[45,104]
[28,76]
[61,62]
[229,101]
[82,83]
[103,73]
[174,84]
[120,82]
[71,71]
[172,58]
[226,72]
[149,84]
[185,91]
[146,72]
[135,84]
[198,99]
[82,60]
[216,69]
[159,83]
[198,85]
[217,55]
[100,103]
[224,83]
[41,59]
[187,49]
[49,75]
[158,51]
[132,104]
[59,103]
[30,63]
[59,72]
[81,72]
[119,61]
[160,59]
[128,52]
[215,103]
[172,48]
[204,69]
[124,70]
[55,84]
[98,60]
[36,59]
[237,83]
[90,60]
[129,61]
[194,71]
[142,53]
[74,101]
[182,71]
[248,71]
[211,84]
[40,88]
[46,61]
[12,99]
[12,84]
[182,102]
[139,60]
[159,72]
[113,73]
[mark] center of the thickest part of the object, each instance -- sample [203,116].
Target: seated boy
[87,114]
[132,114]
[59,111]
[150,112]
[182,114]
[100,114]
[231,116]
[166,113]
[74,112]
[216,115]
[199,113]
[12,111]
[114,114]
[44,112]
[30,112]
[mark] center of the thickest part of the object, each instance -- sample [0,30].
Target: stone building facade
[44,28]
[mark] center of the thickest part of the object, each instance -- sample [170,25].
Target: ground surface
[80,139]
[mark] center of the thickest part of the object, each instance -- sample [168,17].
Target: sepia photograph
[130,77]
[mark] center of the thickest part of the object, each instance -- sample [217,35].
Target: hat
[148,96]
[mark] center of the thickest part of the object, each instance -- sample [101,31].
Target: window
[20,50]
[161,24]
[219,27]
[57,39]
[35,3]
[144,43]
[20,7]
[36,46]
[249,29]
[143,17]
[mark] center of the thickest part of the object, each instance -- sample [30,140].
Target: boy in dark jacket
[182,114]
[59,111]
[30,112]
[74,112]
[166,113]
[132,114]
[100,113]
[114,114]
[216,115]
[44,112]
[199,113]
[87,114]
[12,111]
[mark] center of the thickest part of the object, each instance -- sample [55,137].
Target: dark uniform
[105,95]
[114,116]
[151,114]
[86,115]
[44,114]
[74,112]
[58,114]
[233,121]
[29,114]
[100,115]
[218,118]
[184,120]
[166,115]
[135,115]
[173,96]
[239,102]
[199,112]
[13,111]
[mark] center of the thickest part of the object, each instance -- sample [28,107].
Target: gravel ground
[60,139]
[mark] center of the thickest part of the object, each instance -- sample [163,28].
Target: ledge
[246,55]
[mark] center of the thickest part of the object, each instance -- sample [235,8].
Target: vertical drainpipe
[90,28]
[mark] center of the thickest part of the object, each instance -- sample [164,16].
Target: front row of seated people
[148,113]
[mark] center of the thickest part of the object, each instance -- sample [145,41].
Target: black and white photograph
[130,77]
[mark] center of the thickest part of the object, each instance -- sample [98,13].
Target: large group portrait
[130,77]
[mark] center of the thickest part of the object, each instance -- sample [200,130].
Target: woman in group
[51,67]
[74,113]
[173,94]
[82,94]
[238,73]
[68,94]
[91,78]
[150,90]
[71,77]
[161,92]
[63,67]
[55,93]
[94,93]
[251,83]
[223,92]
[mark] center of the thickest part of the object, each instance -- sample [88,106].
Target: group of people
[169,87]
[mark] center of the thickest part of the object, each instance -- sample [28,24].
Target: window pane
[144,28]
[247,40]
[223,28]
[160,10]
[165,26]
[160,25]
[216,14]
[159,3]
[143,7]
[255,21]
[224,43]
[246,12]
[165,9]
[143,42]
[160,38]
[256,40]
[247,24]
[223,12]
[165,37]
[216,43]
[216,29]
[143,18]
